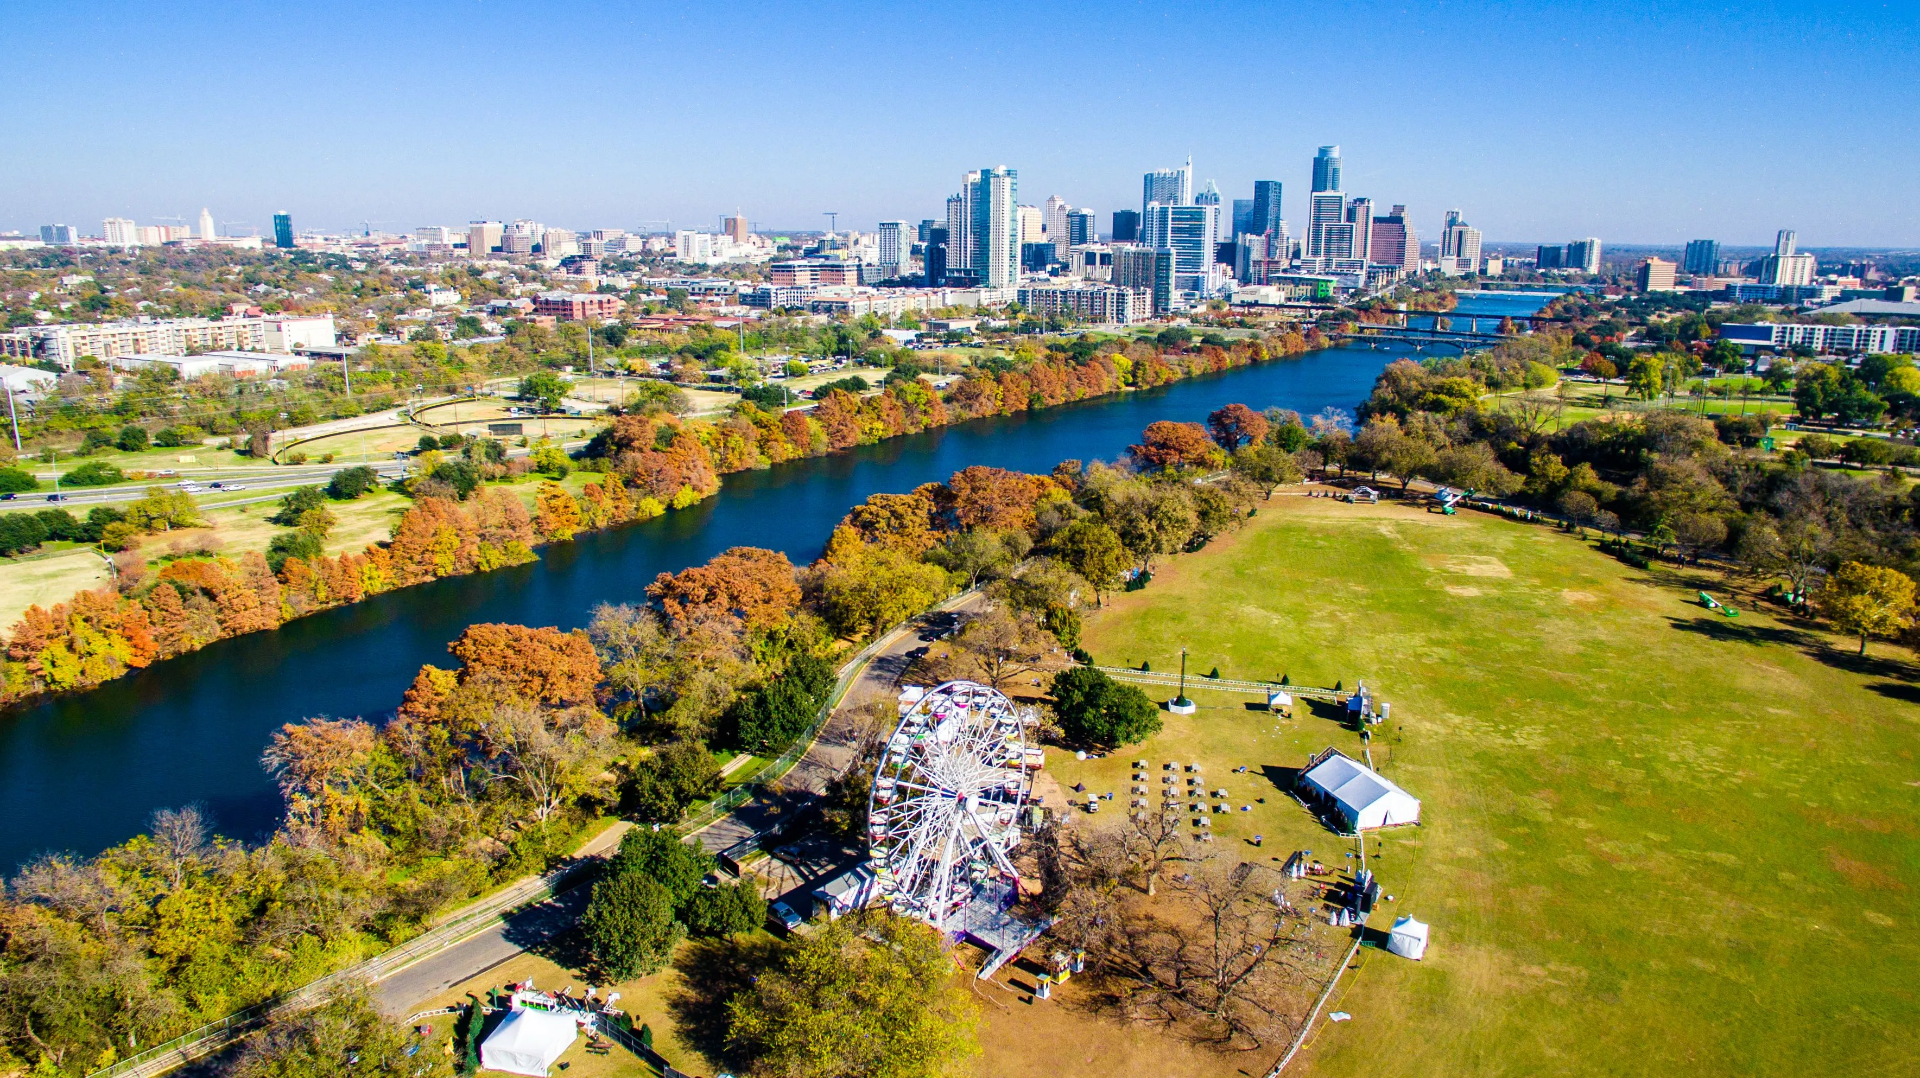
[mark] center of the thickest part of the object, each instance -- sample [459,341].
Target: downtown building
[1088,301]
[1823,339]
[983,229]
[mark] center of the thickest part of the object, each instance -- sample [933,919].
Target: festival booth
[529,1041]
[1408,938]
[1357,794]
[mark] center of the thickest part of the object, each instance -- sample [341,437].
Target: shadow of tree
[713,971]
[1716,627]
[1813,646]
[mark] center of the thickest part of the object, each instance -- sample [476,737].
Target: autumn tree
[1868,600]
[1167,444]
[872,587]
[544,665]
[749,583]
[1237,425]
[998,646]
[637,653]
[345,1035]
[556,514]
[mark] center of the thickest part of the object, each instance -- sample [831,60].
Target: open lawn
[46,580]
[1655,840]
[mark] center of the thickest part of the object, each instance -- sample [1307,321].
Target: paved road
[831,753]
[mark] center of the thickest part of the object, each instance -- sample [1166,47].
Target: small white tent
[1408,938]
[1359,794]
[528,1042]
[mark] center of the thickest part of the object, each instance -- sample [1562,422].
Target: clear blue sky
[1638,123]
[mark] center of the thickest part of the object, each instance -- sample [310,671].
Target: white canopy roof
[1408,938]
[1365,798]
[528,1042]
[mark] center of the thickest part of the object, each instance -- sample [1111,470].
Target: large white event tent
[1408,939]
[528,1042]
[1359,794]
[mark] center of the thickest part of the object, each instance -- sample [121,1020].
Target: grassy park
[1655,839]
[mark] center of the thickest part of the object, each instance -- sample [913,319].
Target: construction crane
[832,217]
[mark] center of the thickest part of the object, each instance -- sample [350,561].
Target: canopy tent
[1359,794]
[528,1042]
[1408,938]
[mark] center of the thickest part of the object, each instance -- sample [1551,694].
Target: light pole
[1180,705]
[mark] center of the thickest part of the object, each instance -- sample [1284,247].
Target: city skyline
[676,127]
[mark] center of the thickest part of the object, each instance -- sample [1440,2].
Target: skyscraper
[1126,226]
[1394,242]
[1783,266]
[483,237]
[992,245]
[1083,226]
[1208,196]
[1584,255]
[1171,186]
[1326,213]
[1783,243]
[283,230]
[1267,218]
[1326,169]
[1145,269]
[1703,257]
[1191,233]
[1056,224]
[936,257]
[736,227]
[1460,242]
[1360,216]
[1242,216]
[119,232]
[894,245]
[1033,224]
[207,231]
[960,230]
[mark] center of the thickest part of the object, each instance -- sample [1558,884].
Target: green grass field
[1655,840]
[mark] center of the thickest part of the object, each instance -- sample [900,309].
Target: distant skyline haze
[1540,121]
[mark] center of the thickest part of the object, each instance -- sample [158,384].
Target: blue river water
[83,772]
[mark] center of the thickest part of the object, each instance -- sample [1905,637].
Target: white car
[189,486]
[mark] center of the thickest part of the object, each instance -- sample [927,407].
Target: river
[85,771]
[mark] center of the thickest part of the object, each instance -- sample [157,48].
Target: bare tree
[1001,646]
[636,650]
[544,753]
[180,837]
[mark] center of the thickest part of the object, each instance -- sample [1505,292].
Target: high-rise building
[59,235]
[1784,266]
[936,256]
[1784,242]
[1208,196]
[1126,226]
[207,231]
[959,232]
[1148,270]
[283,230]
[1550,256]
[1360,216]
[1394,242]
[1056,224]
[990,240]
[483,238]
[1266,218]
[119,232]
[1033,224]
[1243,217]
[1192,234]
[1460,242]
[1083,226]
[736,227]
[1325,215]
[521,237]
[894,245]
[1584,255]
[924,234]
[1702,257]
[1656,275]
[1326,169]
[434,235]
[1168,186]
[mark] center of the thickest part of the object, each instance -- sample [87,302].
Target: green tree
[132,438]
[662,857]
[345,1035]
[877,586]
[1095,709]
[867,997]
[350,483]
[629,925]
[1644,376]
[1266,465]
[17,480]
[295,503]
[545,389]
[551,460]
[1094,551]
[94,473]
[725,910]
[662,785]
[1868,600]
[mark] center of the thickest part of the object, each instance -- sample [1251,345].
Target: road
[830,754]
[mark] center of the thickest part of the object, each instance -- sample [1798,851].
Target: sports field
[1656,841]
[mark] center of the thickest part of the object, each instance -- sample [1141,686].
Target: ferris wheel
[945,809]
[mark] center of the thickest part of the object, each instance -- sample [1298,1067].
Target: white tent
[1408,938]
[528,1042]
[1362,797]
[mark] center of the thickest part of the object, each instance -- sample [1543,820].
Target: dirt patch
[1462,591]
[1861,874]
[1579,597]
[1476,565]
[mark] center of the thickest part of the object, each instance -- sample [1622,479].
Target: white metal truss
[945,808]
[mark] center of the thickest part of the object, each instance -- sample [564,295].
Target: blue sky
[1638,123]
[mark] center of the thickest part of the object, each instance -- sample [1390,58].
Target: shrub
[94,473]
[20,532]
[295,503]
[15,480]
[132,439]
[350,483]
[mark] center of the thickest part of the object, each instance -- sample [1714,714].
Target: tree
[350,483]
[870,996]
[296,502]
[629,925]
[873,587]
[1869,600]
[1696,532]
[636,652]
[345,1035]
[1799,548]
[1266,465]
[1095,709]
[132,439]
[160,509]
[1000,646]
[94,473]
[17,480]
[545,389]
[981,553]
[1579,508]
[557,515]
[1167,444]
[749,583]
[1644,376]
[1094,551]
[664,784]
[1152,520]
[725,910]
[1237,425]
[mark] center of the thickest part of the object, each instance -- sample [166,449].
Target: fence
[1151,677]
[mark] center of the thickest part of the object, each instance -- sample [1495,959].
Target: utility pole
[13,418]
[346,374]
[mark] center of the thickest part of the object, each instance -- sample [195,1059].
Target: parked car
[784,914]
